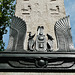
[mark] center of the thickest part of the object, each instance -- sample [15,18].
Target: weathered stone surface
[43,12]
[36,73]
[40,13]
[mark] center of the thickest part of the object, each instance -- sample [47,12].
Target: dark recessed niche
[52,0]
[57,7]
[25,13]
[24,9]
[26,0]
[55,14]
[53,9]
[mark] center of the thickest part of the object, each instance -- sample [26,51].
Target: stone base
[37,62]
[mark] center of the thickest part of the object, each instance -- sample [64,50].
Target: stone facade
[40,13]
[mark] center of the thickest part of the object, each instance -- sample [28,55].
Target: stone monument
[40,38]
[40,13]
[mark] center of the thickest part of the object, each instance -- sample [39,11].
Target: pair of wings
[18,32]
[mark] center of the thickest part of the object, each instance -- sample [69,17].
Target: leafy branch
[7,8]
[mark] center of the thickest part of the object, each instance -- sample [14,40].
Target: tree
[7,8]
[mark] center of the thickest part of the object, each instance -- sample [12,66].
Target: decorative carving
[62,31]
[54,10]
[37,61]
[31,42]
[40,43]
[41,63]
[26,9]
[40,54]
[63,35]
[57,8]
[41,40]
[50,43]
[17,34]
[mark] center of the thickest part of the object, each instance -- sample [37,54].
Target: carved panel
[53,9]
[26,9]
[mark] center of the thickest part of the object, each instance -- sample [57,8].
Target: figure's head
[40,30]
[29,33]
[42,27]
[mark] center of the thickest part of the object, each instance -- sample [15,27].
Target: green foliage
[2,45]
[7,8]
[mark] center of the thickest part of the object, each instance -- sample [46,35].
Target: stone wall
[40,13]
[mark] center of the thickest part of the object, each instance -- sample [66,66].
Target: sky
[70,10]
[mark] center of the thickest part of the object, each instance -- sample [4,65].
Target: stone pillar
[40,13]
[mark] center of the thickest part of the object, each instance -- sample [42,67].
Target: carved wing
[63,34]
[17,34]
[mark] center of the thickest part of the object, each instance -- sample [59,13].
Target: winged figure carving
[31,42]
[17,34]
[63,35]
